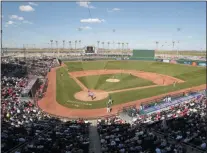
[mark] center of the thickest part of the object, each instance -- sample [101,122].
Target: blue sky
[138,23]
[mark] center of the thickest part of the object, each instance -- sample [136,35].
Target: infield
[99,82]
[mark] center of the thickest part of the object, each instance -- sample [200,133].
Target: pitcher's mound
[112,80]
[98,95]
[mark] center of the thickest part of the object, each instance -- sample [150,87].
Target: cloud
[10,22]
[116,9]
[27,22]
[84,28]
[89,20]
[85,4]
[113,10]
[26,8]
[32,3]
[190,37]
[16,17]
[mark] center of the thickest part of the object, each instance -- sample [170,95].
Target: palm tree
[103,44]
[75,44]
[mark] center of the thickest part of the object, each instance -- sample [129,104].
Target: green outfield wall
[143,55]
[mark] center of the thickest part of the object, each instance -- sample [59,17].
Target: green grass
[126,81]
[67,87]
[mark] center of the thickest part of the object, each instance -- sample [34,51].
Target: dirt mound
[98,95]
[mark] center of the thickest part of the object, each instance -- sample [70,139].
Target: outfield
[66,87]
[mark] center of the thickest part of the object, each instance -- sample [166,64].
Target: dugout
[143,55]
[30,90]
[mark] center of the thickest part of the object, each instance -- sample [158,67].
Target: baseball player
[91,94]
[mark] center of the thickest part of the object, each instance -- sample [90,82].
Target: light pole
[70,45]
[63,44]
[157,43]
[80,43]
[75,44]
[108,44]
[177,48]
[51,44]
[98,44]
[173,44]
[57,47]
[103,44]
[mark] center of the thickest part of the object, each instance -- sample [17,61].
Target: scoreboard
[90,50]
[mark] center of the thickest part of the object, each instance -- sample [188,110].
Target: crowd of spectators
[117,136]
[24,123]
[182,123]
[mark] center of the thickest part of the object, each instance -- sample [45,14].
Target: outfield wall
[143,55]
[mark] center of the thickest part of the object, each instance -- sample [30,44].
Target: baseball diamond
[139,82]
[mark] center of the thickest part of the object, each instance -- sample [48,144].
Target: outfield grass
[98,82]
[67,87]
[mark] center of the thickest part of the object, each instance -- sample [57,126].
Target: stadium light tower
[157,44]
[177,47]
[51,41]
[103,44]
[63,44]
[173,44]
[70,45]
[57,47]
[75,43]
[56,44]
[118,45]
[80,43]
[98,44]
[127,46]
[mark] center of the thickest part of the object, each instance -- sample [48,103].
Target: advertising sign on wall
[166,61]
[173,61]
[188,63]
[202,64]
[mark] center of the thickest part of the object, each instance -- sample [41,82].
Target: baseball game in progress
[103,77]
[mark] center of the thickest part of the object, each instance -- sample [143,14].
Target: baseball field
[124,81]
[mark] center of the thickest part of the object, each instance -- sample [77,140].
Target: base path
[49,104]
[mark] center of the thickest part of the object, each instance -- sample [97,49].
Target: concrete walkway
[95,145]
